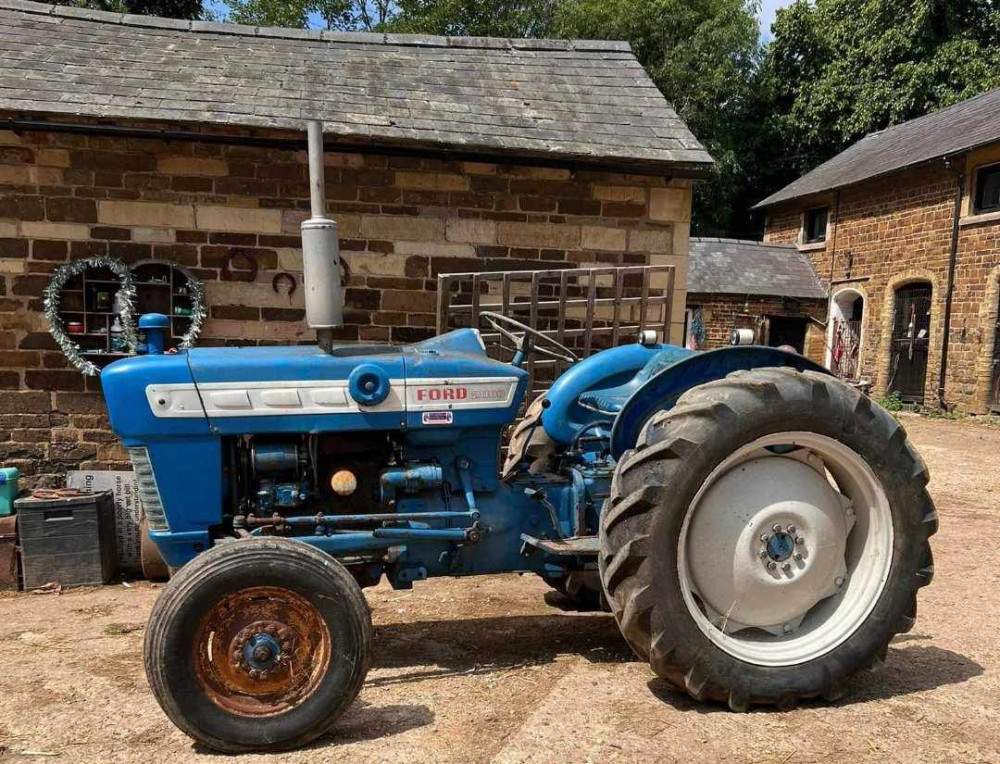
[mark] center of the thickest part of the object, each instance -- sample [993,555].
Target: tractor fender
[662,390]
[564,417]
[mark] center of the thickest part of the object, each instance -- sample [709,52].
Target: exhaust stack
[320,250]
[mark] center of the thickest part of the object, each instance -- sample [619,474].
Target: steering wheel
[522,335]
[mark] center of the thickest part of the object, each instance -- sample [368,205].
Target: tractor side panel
[662,390]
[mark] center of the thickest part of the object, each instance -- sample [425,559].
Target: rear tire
[258,645]
[659,486]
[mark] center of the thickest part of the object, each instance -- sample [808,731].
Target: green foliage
[702,55]
[175,9]
[891,401]
[346,15]
[488,18]
[840,69]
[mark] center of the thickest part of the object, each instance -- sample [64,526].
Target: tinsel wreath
[126,299]
[196,291]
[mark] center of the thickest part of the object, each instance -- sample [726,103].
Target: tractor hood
[447,380]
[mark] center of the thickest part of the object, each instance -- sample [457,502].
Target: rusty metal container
[10,567]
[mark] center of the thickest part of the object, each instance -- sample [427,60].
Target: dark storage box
[9,568]
[70,541]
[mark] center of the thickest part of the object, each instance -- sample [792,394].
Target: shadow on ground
[906,670]
[485,645]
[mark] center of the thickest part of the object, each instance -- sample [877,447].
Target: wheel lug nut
[776,528]
[771,565]
[798,557]
[791,530]
[763,553]
[764,537]
[799,540]
[786,567]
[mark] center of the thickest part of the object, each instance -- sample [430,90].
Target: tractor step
[578,545]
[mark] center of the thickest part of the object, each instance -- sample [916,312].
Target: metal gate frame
[626,290]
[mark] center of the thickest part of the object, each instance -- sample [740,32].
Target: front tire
[258,645]
[766,538]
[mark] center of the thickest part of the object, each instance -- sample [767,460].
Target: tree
[488,18]
[702,55]
[837,70]
[345,15]
[175,9]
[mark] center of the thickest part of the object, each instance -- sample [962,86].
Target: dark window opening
[988,189]
[816,224]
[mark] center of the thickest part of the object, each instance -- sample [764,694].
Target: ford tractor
[758,529]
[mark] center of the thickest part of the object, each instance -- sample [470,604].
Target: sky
[768,7]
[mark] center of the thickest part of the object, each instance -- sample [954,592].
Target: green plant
[891,401]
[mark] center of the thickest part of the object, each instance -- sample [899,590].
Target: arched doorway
[910,343]
[847,309]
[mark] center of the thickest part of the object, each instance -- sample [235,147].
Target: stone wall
[402,221]
[886,233]
[721,313]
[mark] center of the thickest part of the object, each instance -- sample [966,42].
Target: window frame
[977,209]
[806,215]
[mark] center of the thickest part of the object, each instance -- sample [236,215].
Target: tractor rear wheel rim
[786,548]
[261,651]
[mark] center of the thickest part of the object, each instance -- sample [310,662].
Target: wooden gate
[586,309]
[910,342]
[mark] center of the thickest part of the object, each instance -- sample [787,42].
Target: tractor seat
[610,400]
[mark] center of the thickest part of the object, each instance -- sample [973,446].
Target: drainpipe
[949,293]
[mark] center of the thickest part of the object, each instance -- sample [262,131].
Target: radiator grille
[149,494]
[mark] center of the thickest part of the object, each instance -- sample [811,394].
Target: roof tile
[571,100]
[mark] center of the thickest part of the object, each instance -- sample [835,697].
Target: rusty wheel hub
[261,651]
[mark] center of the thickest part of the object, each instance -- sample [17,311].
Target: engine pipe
[320,250]
[410,479]
[348,520]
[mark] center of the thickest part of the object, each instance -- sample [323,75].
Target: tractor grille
[149,494]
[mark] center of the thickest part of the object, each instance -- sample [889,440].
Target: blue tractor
[758,529]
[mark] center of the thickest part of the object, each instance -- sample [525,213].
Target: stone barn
[172,153]
[769,290]
[904,229]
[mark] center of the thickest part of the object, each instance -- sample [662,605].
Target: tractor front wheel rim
[786,549]
[261,651]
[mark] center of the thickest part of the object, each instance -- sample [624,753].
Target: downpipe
[950,290]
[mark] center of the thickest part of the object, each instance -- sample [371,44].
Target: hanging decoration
[125,301]
[196,291]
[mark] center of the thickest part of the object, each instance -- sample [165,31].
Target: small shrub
[891,401]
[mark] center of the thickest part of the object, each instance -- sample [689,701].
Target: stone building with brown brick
[904,229]
[158,142]
[768,290]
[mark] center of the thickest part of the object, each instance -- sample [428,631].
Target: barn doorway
[787,330]
[847,311]
[910,344]
[994,399]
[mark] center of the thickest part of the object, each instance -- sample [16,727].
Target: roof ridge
[751,242]
[322,35]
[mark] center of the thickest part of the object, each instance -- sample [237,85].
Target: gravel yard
[485,669]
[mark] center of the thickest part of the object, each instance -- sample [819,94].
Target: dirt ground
[484,670]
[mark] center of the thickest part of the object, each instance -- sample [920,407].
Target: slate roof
[966,125]
[575,100]
[733,266]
